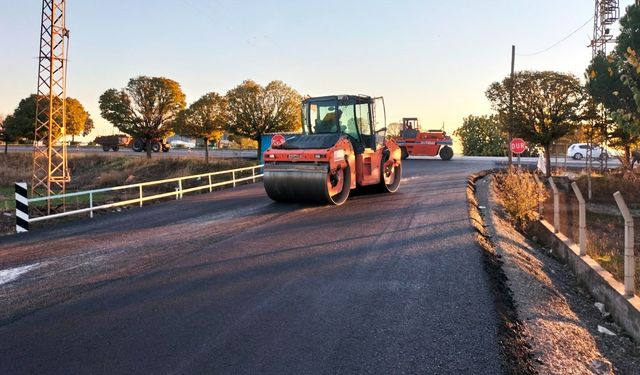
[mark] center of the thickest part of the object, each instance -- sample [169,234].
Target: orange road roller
[342,147]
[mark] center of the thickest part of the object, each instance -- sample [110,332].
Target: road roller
[416,142]
[342,147]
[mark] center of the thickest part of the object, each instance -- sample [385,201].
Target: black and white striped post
[22,208]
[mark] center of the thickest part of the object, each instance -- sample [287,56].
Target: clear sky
[430,59]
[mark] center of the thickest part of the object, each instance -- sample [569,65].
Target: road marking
[11,274]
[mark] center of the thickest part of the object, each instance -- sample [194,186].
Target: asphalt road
[233,283]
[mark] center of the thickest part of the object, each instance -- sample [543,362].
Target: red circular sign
[277,140]
[518,145]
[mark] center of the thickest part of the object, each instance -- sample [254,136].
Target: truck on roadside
[114,142]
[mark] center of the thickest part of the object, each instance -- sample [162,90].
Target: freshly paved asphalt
[233,283]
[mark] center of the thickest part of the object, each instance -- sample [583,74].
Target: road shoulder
[560,320]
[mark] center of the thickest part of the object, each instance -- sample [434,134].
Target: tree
[205,119]
[77,119]
[546,106]
[145,109]
[21,124]
[255,110]
[482,136]
[394,128]
[627,134]
[629,31]
[88,127]
[604,84]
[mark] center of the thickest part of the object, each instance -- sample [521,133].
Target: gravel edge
[515,350]
[555,316]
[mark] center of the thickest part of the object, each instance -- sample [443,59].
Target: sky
[431,60]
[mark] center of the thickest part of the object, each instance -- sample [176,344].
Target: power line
[558,42]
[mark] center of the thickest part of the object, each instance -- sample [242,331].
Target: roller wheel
[391,176]
[338,186]
[446,153]
[156,146]
[404,152]
[138,145]
[307,184]
[105,148]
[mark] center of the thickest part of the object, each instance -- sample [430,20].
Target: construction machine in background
[114,142]
[342,147]
[415,142]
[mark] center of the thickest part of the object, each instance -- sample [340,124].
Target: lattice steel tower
[50,172]
[606,14]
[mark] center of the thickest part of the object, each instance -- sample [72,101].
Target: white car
[182,144]
[578,151]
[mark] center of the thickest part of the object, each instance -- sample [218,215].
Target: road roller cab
[342,147]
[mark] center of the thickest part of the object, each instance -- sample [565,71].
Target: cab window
[363,118]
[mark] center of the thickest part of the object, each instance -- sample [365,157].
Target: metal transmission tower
[50,172]
[606,14]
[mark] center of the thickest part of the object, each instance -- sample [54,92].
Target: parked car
[578,151]
[177,143]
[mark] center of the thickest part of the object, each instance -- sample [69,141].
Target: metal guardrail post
[556,206]
[22,207]
[233,174]
[91,204]
[140,195]
[629,258]
[210,187]
[180,188]
[253,174]
[582,236]
[540,204]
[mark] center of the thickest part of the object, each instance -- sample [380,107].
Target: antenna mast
[50,172]
[606,13]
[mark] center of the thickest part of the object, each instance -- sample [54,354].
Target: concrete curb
[599,282]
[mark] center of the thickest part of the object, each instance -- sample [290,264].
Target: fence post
[180,187]
[210,188]
[233,174]
[22,208]
[582,236]
[540,204]
[629,258]
[253,174]
[140,195]
[556,206]
[91,205]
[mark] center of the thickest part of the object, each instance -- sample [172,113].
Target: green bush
[520,195]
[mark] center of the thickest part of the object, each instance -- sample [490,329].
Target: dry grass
[90,172]
[605,225]
[520,195]
[605,244]
[603,187]
[14,168]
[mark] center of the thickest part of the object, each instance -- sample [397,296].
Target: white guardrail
[22,212]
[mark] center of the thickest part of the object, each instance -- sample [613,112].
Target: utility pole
[513,60]
[50,172]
